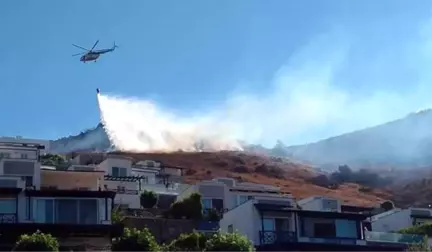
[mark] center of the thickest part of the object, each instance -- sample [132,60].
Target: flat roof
[70,193]
[308,213]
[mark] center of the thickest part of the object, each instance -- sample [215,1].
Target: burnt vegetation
[367,179]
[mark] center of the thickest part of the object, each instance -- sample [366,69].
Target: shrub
[36,242]
[420,246]
[117,216]
[387,205]
[240,169]
[365,189]
[213,215]
[270,171]
[135,240]
[238,160]
[52,160]
[148,199]
[423,229]
[220,163]
[321,180]
[190,172]
[188,242]
[189,208]
[229,242]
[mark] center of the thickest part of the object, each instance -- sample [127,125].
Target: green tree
[213,215]
[229,242]
[117,216]
[148,199]
[135,240]
[190,208]
[52,160]
[387,205]
[36,242]
[422,229]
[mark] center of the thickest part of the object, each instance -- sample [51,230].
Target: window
[8,183]
[230,229]
[7,206]
[119,172]
[217,204]
[282,224]
[269,224]
[67,211]
[206,203]
[324,230]
[243,199]
[28,181]
[88,215]
[24,155]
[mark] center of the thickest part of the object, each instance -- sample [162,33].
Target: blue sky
[189,55]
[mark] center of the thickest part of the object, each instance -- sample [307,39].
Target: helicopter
[91,55]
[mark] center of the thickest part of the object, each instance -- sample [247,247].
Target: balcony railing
[125,191]
[392,237]
[329,240]
[8,218]
[272,237]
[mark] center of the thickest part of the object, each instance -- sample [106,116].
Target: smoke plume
[330,86]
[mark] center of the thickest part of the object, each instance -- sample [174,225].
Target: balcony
[372,236]
[332,240]
[8,218]
[125,191]
[273,237]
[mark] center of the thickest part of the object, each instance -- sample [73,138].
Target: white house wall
[392,222]
[132,200]
[186,193]
[35,174]
[247,224]
[110,162]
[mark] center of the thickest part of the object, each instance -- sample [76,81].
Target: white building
[310,224]
[52,201]
[397,219]
[20,140]
[227,193]
[130,179]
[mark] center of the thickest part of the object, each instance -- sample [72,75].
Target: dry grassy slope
[206,165]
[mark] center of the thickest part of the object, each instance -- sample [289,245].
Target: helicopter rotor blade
[76,54]
[95,45]
[81,47]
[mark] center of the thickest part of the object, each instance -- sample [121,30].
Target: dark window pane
[66,211]
[88,211]
[217,204]
[49,212]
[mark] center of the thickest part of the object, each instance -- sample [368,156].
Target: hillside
[291,177]
[401,143]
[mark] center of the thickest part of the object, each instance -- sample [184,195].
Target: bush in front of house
[117,216]
[36,242]
[420,247]
[135,240]
[229,242]
[188,242]
[189,208]
[148,199]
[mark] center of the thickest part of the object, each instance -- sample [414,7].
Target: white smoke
[303,104]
